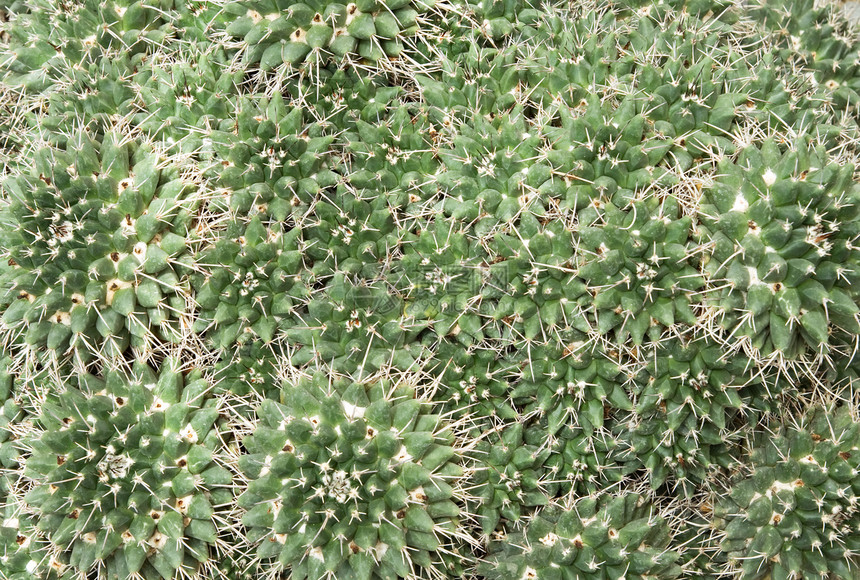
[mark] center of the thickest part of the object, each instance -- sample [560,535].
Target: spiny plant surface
[428,289]
[359,471]
[795,510]
[125,476]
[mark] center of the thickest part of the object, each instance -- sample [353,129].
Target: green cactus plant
[618,537]
[98,257]
[510,484]
[272,34]
[48,36]
[792,273]
[795,511]
[125,474]
[451,289]
[355,479]
[693,404]
[22,553]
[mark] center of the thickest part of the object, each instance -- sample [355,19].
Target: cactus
[99,257]
[692,405]
[795,511]
[590,539]
[22,553]
[792,276]
[125,474]
[273,34]
[413,289]
[353,479]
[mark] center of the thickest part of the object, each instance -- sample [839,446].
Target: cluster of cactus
[488,289]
